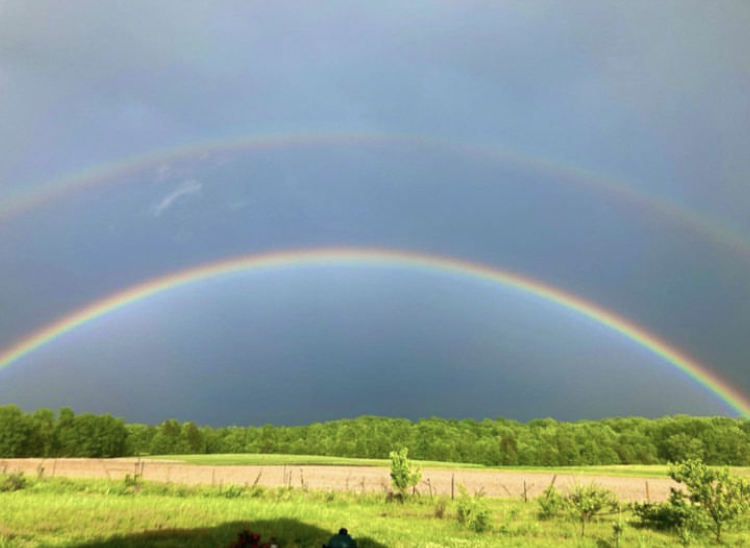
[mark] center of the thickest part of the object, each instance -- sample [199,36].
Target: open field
[630,483]
[96,513]
[176,504]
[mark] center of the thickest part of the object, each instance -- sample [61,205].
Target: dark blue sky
[650,97]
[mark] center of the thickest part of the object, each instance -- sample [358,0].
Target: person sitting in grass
[341,540]
[246,539]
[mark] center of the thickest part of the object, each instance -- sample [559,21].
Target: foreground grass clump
[59,512]
[473,511]
[12,482]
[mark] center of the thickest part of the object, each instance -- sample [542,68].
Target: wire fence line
[435,482]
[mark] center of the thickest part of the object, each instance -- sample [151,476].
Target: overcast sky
[600,148]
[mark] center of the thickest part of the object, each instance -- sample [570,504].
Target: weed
[132,483]
[440,509]
[12,481]
[550,503]
[257,491]
[618,529]
[234,491]
[473,511]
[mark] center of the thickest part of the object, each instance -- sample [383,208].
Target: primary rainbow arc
[383,257]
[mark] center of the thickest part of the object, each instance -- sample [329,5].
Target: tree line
[493,442]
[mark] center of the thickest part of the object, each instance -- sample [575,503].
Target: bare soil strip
[361,479]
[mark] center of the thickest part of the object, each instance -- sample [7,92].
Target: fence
[435,482]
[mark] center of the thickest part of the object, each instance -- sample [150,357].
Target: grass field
[62,512]
[618,470]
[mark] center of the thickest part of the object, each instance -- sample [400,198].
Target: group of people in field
[248,539]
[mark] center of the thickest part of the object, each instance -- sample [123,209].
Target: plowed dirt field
[435,481]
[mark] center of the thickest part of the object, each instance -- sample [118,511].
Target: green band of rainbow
[381,257]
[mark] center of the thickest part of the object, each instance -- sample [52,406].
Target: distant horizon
[389,417]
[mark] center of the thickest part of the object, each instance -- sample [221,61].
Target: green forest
[492,442]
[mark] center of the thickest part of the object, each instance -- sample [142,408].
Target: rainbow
[36,194]
[379,257]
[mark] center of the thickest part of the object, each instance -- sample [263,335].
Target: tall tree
[15,432]
[44,442]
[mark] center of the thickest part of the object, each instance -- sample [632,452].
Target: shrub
[473,512]
[257,491]
[132,483]
[674,514]
[440,509]
[618,529]
[403,473]
[586,501]
[717,495]
[233,491]
[13,481]
[550,502]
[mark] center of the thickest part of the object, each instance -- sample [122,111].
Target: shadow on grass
[289,533]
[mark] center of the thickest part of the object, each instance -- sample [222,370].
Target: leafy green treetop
[404,474]
[713,492]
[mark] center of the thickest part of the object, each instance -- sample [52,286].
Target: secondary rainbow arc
[375,256]
[39,193]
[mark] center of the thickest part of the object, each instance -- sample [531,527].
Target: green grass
[252,459]
[617,470]
[58,512]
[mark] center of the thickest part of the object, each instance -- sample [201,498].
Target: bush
[257,492]
[586,501]
[713,501]
[233,491]
[403,473]
[672,515]
[473,512]
[440,509]
[132,484]
[715,494]
[550,502]
[618,529]
[14,481]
